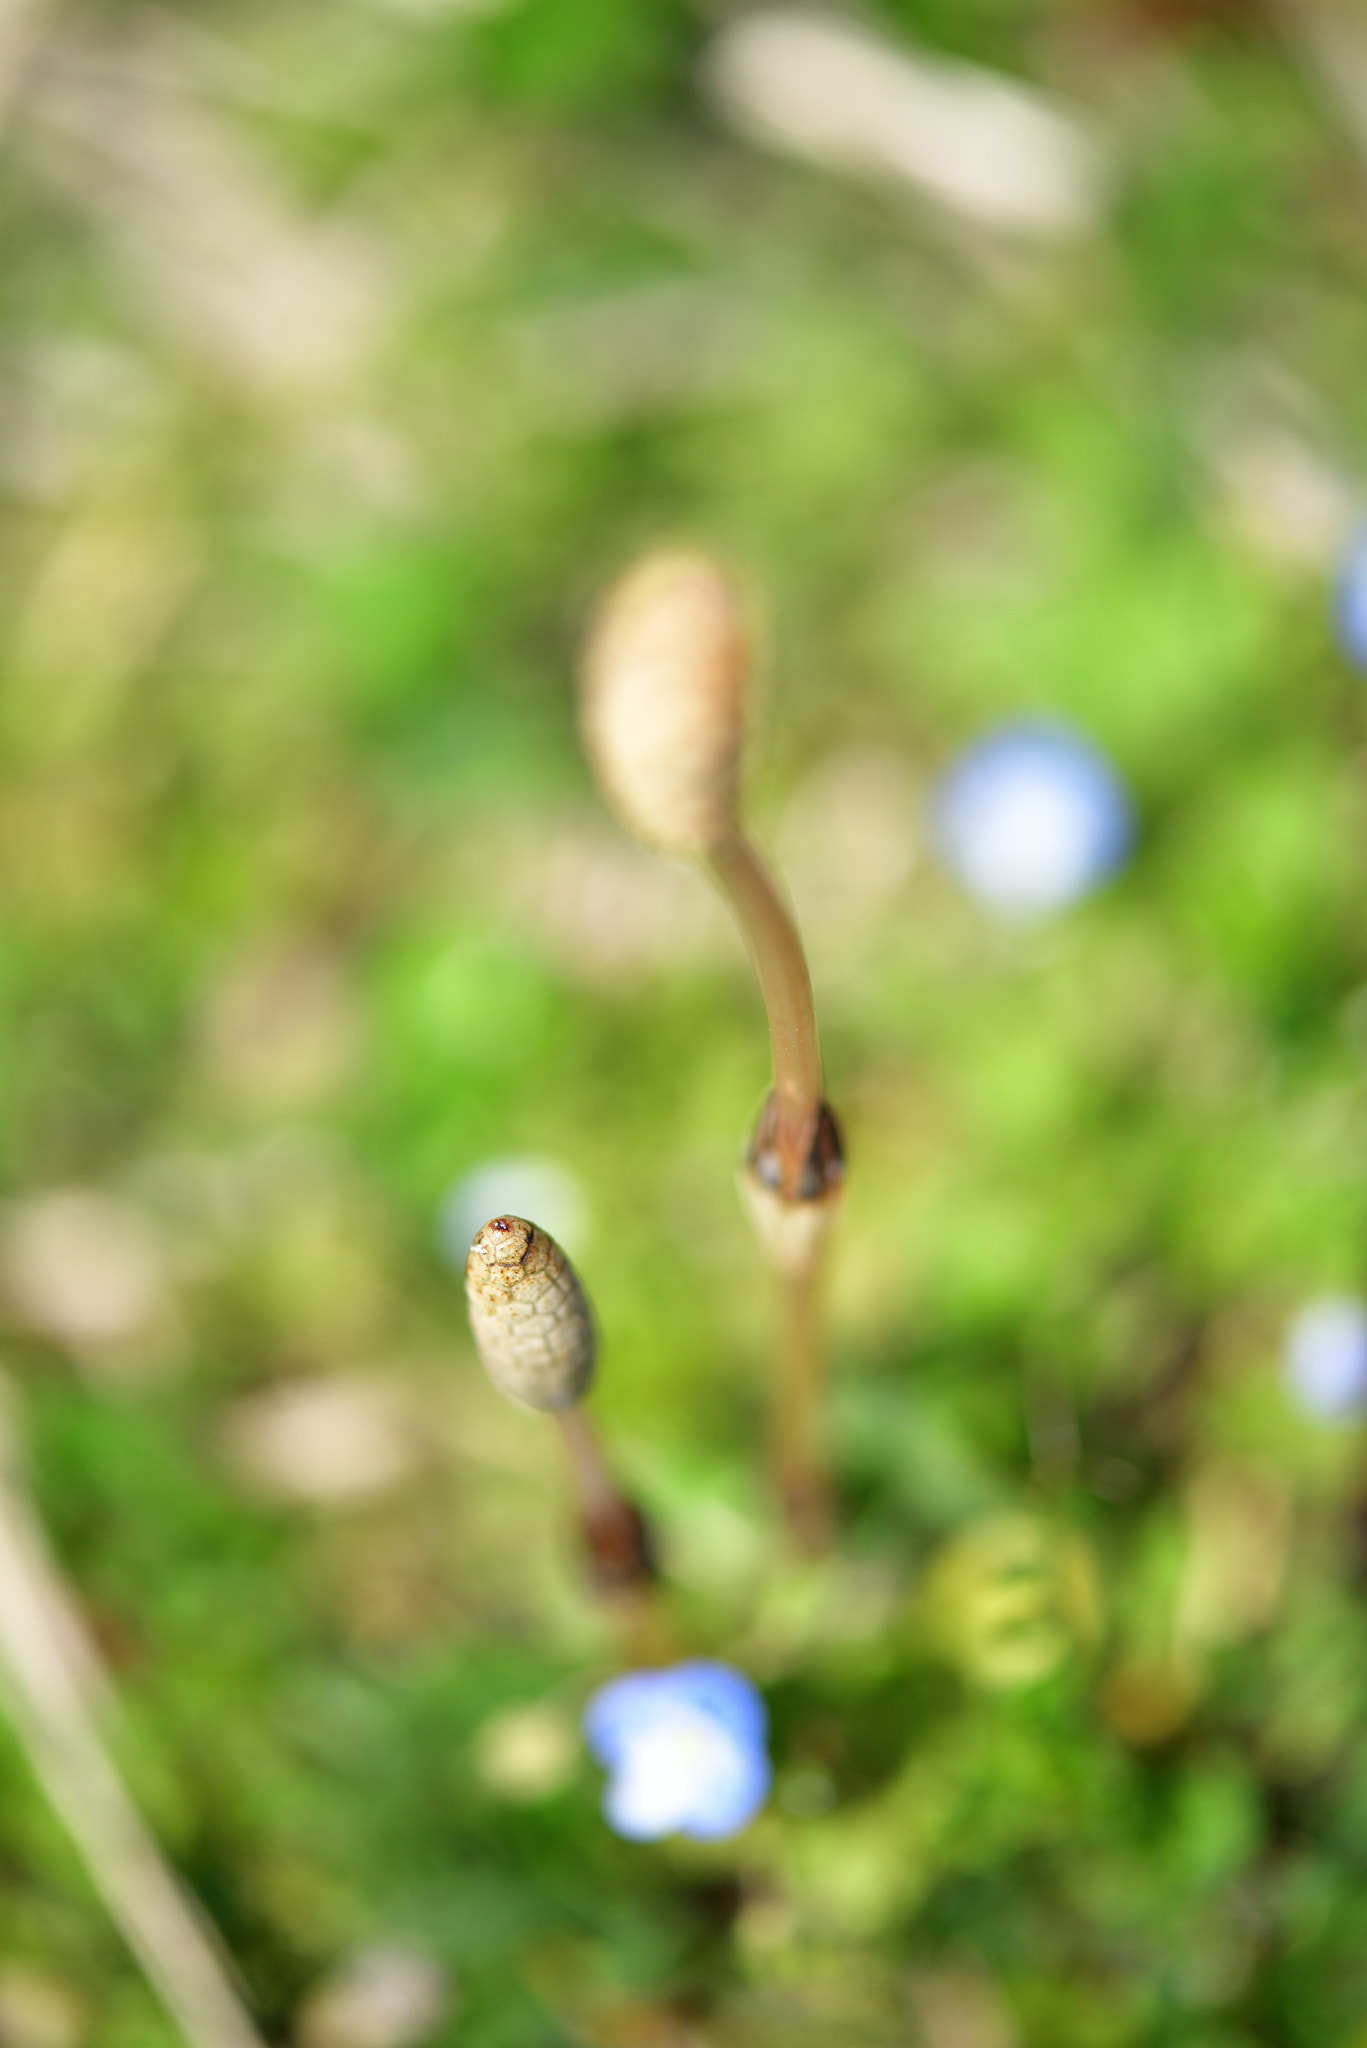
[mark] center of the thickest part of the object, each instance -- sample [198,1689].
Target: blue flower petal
[1032,818]
[723,1693]
[731,1804]
[618,1711]
[1325,1358]
[514,1186]
[684,1748]
[1350,602]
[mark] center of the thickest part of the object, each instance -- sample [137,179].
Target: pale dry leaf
[995,151]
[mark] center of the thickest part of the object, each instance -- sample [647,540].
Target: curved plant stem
[767,926]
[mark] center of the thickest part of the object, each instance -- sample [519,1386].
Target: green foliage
[322,443]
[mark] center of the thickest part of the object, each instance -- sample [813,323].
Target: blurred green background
[346,353]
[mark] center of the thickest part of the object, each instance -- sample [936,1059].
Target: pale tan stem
[593,1485]
[797,1419]
[767,926]
[50,1671]
[613,1528]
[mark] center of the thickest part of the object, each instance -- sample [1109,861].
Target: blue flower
[1031,818]
[1350,601]
[515,1186]
[684,1749]
[1324,1361]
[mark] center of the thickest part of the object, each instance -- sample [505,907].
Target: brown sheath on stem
[614,1531]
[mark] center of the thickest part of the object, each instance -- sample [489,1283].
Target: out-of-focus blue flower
[515,1186]
[1350,601]
[684,1749]
[1031,818]
[1324,1361]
